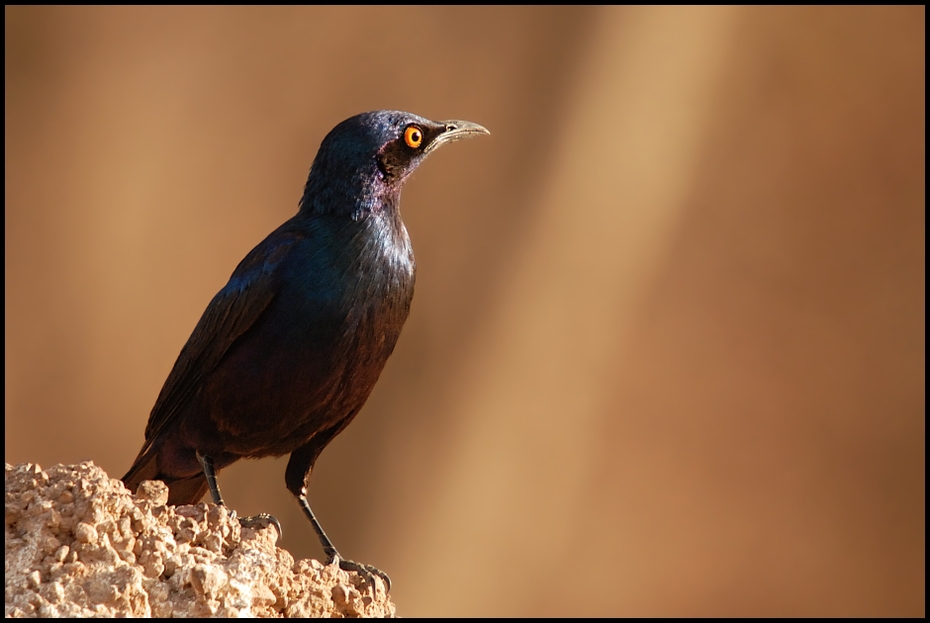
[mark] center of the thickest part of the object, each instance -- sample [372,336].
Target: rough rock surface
[79,544]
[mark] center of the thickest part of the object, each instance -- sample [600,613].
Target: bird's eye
[413,137]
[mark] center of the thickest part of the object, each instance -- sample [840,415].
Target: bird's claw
[261,521]
[366,572]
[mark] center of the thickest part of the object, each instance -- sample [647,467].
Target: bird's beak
[455,131]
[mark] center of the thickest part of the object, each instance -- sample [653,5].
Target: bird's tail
[187,490]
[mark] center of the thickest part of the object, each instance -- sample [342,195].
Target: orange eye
[413,137]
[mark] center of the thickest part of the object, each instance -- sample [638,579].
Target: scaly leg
[297,474]
[256,521]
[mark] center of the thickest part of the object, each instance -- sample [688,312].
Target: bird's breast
[367,288]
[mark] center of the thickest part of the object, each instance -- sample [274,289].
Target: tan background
[666,354]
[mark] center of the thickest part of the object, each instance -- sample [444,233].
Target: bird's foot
[260,522]
[366,572]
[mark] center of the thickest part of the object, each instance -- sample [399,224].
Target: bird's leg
[206,463]
[262,520]
[332,555]
[296,476]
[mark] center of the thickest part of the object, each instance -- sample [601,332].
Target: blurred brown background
[666,354]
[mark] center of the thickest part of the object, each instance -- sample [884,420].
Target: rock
[79,544]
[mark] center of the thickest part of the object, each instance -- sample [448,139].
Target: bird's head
[363,162]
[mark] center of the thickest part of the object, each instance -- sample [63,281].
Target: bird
[288,351]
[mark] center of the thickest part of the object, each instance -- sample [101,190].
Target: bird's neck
[356,193]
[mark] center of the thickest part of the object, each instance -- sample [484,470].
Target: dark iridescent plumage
[286,354]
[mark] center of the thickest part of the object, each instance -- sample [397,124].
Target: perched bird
[286,354]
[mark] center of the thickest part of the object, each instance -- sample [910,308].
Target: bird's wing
[234,309]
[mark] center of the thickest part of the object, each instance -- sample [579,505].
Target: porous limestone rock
[79,544]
